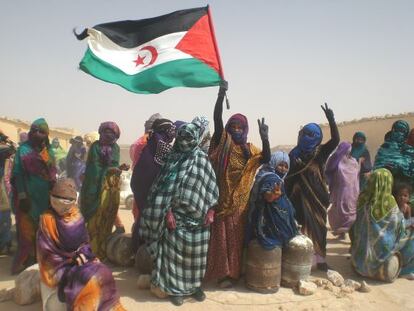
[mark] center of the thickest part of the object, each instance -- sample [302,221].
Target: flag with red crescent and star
[152,55]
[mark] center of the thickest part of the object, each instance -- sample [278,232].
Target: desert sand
[396,296]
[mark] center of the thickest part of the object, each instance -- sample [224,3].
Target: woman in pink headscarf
[342,174]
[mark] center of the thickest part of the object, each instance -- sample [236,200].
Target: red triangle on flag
[199,43]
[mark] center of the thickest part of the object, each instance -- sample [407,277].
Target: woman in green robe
[33,175]
[99,197]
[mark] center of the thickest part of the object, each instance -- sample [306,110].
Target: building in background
[13,127]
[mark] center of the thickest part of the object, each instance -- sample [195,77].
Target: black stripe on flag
[129,34]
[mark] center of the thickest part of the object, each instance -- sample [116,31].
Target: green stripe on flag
[189,72]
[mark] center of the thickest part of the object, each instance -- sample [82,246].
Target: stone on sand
[321,282]
[351,283]
[27,286]
[144,281]
[6,294]
[306,288]
[364,287]
[335,277]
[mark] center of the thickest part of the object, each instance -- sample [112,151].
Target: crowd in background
[200,199]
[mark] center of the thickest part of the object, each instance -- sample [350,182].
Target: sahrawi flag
[155,54]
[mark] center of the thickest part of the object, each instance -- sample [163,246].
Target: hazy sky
[282,59]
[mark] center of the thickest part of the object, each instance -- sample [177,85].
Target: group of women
[197,210]
[68,241]
[200,199]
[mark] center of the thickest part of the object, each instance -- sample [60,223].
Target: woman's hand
[170,219]
[209,219]
[81,259]
[263,129]
[328,112]
[124,167]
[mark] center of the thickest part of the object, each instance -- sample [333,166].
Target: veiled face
[308,133]
[359,140]
[62,206]
[39,136]
[273,195]
[236,127]
[187,138]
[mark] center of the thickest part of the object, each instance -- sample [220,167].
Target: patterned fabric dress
[187,186]
[33,175]
[306,185]
[235,181]
[271,223]
[6,152]
[380,230]
[390,154]
[100,196]
[90,286]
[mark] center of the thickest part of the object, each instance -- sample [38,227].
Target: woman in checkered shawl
[176,223]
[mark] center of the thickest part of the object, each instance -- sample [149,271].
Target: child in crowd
[402,193]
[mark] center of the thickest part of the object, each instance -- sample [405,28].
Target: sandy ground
[390,297]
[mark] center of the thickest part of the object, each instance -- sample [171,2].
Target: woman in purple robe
[342,174]
[65,258]
[149,165]
[76,161]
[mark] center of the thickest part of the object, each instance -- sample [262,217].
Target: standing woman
[149,165]
[60,155]
[135,152]
[6,153]
[235,162]
[75,161]
[33,176]
[361,154]
[89,139]
[306,184]
[175,225]
[99,197]
[390,155]
[341,173]
[152,158]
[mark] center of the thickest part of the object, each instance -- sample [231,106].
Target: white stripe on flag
[124,59]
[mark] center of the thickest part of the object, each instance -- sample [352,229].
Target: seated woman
[176,223]
[382,241]
[66,261]
[271,218]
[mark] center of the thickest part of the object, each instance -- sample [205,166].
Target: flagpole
[213,34]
